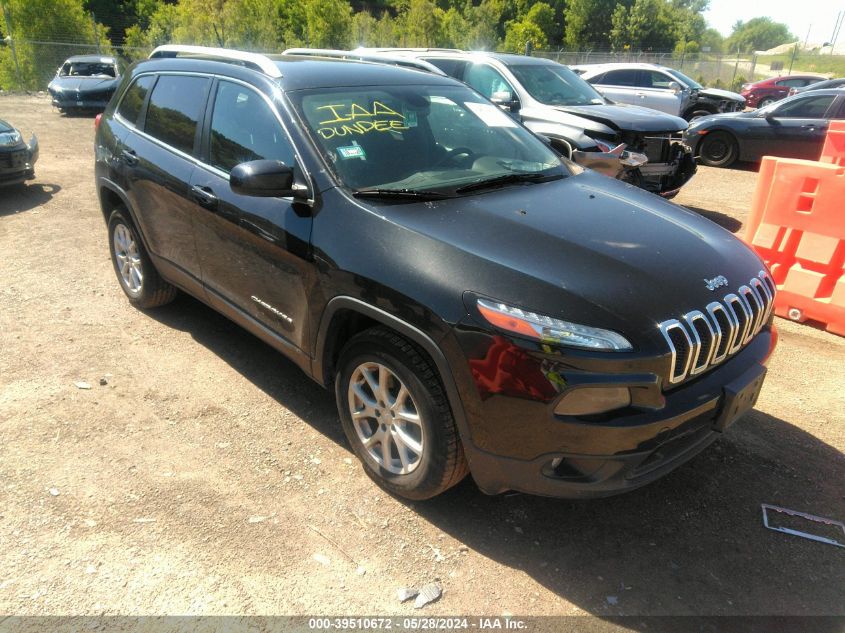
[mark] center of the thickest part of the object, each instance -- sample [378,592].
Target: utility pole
[836,28]
[12,46]
[792,61]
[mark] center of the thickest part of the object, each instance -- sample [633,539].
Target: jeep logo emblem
[716,282]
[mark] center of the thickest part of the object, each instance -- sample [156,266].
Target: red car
[762,93]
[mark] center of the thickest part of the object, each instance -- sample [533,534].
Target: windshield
[87,69]
[419,138]
[554,84]
[689,81]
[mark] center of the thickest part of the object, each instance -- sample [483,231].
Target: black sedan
[17,158]
[793,128]
[84,82]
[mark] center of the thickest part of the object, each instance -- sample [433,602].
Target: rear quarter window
[133,100]
[174,110]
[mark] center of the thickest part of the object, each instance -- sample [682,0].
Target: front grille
[10,160]
[700,340]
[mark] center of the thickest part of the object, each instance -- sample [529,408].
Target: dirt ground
[210,476]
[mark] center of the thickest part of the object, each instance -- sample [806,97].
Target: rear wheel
[396,416]
[718,149]
[138,278]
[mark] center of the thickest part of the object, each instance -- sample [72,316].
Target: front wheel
[764,102]
[718,149]
[396,416]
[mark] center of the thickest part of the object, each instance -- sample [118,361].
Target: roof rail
[409,50]
[367,56]
[256,61]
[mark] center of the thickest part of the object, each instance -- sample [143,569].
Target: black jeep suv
[477,303]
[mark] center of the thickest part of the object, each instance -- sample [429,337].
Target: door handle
[204,196]
[129,157]
[809,126]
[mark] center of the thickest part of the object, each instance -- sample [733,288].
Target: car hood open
[718,93]
[627,118]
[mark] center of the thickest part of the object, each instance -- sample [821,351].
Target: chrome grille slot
[701,340]
[680,345]
[703,337]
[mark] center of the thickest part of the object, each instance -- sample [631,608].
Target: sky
[817,15]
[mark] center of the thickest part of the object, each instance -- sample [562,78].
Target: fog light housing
[591,400]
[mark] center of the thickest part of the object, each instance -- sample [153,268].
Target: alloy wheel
[386,418]
[128,259]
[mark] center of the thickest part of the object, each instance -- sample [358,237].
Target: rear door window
[452,67]
[625,77]
[174,111]
[132,102]
[244,128]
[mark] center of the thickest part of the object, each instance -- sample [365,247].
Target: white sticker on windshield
[490,114]
[443,100]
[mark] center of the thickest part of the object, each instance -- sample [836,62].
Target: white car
[639,84]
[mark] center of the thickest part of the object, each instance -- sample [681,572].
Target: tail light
[97,120]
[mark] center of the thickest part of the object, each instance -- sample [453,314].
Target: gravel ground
[202,473]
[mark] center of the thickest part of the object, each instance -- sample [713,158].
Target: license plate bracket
[740,396]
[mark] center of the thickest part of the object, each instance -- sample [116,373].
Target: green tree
[758,34]
[588,23]
[420,24]
[519,33]
[542,15]
[43,20]
[485,24]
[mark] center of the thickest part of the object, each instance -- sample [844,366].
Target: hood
[627,118]
[83,84]
[718,93]
[5,127]
[584,248]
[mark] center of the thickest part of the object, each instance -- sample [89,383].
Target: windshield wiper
[507,179]
[401,193]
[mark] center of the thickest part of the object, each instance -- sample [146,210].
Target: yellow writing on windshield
[346,121]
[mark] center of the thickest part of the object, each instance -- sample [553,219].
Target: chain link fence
[31,64]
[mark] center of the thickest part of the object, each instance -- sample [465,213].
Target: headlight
[7,139]
[550,330]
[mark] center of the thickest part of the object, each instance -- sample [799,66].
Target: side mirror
[263,179]
[675,87]
[505,100]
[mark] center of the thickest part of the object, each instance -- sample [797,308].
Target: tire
[718,149]
[414,450]
[765,101]
[697,114]
[138,278]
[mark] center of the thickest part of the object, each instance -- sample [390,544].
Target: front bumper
[17,164]
[518,442]
[671,165]
[81,101]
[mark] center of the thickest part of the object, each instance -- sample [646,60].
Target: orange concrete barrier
[834,144]
[797,225]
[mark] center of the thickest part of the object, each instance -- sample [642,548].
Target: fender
[106,183]
[572,137]
[412,333]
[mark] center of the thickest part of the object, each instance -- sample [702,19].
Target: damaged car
[17,158]
[84,82]
[637,145]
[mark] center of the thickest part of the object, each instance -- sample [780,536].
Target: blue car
[84,82]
